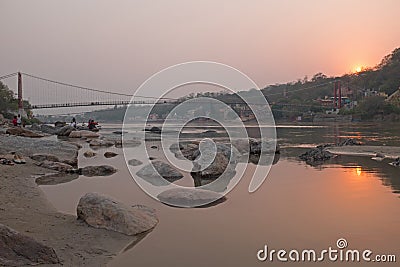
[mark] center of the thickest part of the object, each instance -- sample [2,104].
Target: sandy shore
[370,151]
[24,208]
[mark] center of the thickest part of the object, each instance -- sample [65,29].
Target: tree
[7,101]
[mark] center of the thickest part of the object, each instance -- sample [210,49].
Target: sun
[358,69]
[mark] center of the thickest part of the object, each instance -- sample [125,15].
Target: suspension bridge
[43,93]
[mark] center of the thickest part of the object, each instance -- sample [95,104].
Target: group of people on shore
[17,120]
[92,125]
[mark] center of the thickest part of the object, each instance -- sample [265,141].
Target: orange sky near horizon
[103,44]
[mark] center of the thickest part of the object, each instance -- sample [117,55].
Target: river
[298,206]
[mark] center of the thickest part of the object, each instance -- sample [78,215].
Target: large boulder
[44,156]
[155,171]
[187,197]
[102,170]
[100,211]
[19,131]
[17,249]
[206,170]
[65,130]
[56,166]
[83,133]
[48,129]
[211,160]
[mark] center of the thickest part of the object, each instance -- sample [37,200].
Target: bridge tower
[20,100]
[337,92]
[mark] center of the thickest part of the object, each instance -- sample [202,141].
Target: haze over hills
[364,91]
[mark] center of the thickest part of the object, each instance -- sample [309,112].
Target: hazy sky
[119,44]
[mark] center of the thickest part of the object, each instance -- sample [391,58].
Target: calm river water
[297,207]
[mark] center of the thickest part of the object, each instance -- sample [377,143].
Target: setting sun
[358,69]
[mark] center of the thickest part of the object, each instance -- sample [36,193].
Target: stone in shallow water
[190,197]
[101,211]
[56,166]
[44,156]
[96,142]
[156,171]
[134,162]
[110,154]
[17,249]
[102,170]
[83,133]
[58,178]
[89,154]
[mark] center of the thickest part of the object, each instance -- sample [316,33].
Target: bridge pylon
[21,110]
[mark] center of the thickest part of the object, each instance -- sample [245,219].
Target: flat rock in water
[27,147]
[102,170]
[44,156]
[155,171]
[100,211]
[109,154]
[186,197]
[134,162]
[56,166]
[54,179]
[104,143]
[17,249]
[127,143]
[19,131]
[83,133]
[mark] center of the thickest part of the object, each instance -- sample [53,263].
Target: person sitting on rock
[73,123]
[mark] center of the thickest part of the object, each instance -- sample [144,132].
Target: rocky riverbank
[31,230]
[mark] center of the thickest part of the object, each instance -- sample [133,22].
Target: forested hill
[384,77]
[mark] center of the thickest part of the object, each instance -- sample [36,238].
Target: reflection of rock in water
[137,239]
[157,171]
[266,159]
[59,178]
[219,184]
[190,197]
